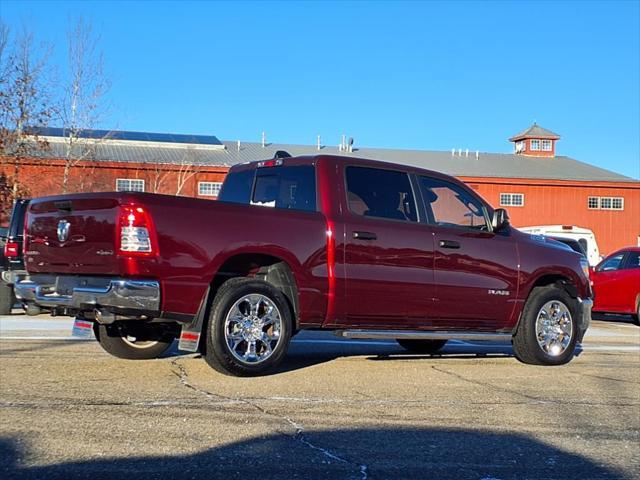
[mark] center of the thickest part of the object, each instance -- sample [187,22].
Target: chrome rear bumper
[86,294]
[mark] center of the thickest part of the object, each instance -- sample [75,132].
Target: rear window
[237,187]
[292,188]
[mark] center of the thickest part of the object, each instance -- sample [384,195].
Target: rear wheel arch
[269,268]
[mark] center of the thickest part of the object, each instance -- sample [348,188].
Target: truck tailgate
[75,234]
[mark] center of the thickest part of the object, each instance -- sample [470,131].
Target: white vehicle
[584,236]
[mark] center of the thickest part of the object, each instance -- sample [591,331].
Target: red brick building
[537,186]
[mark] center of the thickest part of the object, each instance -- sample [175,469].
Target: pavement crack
[299,431]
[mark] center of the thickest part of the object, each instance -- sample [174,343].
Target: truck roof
[312,159]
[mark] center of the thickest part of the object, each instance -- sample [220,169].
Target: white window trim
[531,147]
[130,180]
[200,194]
[612,200]
[547,143]
[511,196]
[611,208]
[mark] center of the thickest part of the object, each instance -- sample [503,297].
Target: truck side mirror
[500,219]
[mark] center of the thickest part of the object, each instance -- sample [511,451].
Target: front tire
[548,329]
[249,328]
[421,346]
[142,342]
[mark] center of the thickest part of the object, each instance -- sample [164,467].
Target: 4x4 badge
[63,230]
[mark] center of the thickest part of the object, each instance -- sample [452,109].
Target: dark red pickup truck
[368,249]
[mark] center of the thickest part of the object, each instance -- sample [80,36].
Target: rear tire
[249,328]
[422,346]
[6,298]
[151,342]
[548,329]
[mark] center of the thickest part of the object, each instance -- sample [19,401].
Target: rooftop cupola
[535,141]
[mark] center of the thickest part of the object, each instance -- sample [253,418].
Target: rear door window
[373,192]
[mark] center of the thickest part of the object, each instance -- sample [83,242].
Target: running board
[423,335]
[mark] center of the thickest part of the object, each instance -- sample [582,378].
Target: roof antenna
[319,143]
[459,152]
[466,153]
[453,152]
[238,145]
[350,144]
[264,139]
[477,154]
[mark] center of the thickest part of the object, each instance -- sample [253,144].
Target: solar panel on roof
[133,136]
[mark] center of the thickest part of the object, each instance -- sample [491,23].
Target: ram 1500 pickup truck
[365,248]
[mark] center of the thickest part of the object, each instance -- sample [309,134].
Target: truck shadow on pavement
[375,453]
[310,353]
[303,357]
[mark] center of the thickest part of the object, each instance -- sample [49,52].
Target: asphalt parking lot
[336,409]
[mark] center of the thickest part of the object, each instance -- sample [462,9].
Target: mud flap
[192,331]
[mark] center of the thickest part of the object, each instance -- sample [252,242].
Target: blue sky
[402,75]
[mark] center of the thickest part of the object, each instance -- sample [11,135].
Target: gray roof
[535,131]
[490,165]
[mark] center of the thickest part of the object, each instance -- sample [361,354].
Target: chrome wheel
[252,328]
[554,328]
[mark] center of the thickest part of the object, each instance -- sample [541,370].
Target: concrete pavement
[336,409]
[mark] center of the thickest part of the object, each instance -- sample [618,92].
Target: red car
[616,283]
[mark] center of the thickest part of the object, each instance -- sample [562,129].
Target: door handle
[365,236]
[449,244]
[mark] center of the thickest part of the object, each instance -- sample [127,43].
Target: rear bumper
[585,305]
[80,293]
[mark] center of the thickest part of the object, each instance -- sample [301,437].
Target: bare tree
[24,101]
[82,105]
[159,175]
[187,168]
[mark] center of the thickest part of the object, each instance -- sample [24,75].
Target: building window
[511,199]
[605,203]
[209,189]
[546,145]
[129,185]
[535,144]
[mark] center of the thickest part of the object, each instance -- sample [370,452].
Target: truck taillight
[11,249]
[136,233]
